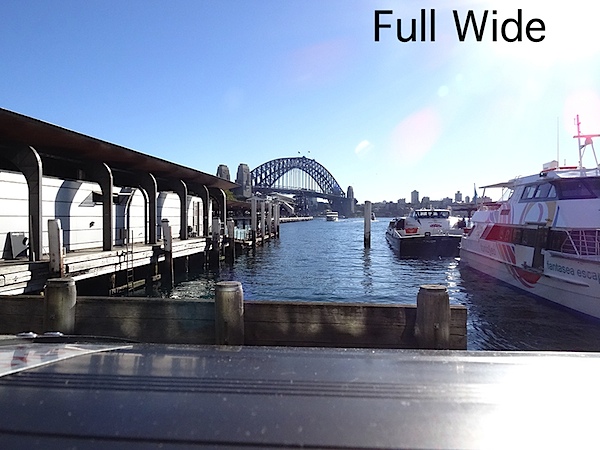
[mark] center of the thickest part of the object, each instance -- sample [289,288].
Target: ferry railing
[582,242]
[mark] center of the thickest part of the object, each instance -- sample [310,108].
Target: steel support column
[28,162]
[221,199]
[148,184]
[182,192]
[207,210]
[101,174]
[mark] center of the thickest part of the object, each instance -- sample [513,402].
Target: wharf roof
[61,144]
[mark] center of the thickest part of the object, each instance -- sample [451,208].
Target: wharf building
[108,206]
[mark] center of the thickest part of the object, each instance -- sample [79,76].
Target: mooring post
[432,327]
[229,313]
[253,220]
[230,249]
[55,247]
[276,215]
[262,222]
[268,210]
[367,224]
[60,297]
[214,255]
[169,272]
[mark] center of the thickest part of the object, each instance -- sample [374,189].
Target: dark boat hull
[435,246]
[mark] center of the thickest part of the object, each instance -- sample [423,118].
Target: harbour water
[326,261]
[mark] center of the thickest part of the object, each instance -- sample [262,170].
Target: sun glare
[569,34]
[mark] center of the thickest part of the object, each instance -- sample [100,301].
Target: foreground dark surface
[155,396]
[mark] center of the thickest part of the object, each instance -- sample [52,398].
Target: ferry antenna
[588,141]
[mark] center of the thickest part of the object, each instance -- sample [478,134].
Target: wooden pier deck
[24,277]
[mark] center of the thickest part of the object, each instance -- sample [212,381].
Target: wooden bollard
[432,327]
[367,224]
[229,313]
[60,298]
[230,249]
[55,240]
[168,273]
[253,220]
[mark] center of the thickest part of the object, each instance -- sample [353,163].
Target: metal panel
[232,397]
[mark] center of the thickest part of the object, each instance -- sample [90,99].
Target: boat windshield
[506,194]
[432,214]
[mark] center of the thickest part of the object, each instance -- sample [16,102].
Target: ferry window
[444,214]
[594,185]
[574,189]
[528,192]
[543,191]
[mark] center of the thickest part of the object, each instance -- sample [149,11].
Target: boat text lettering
[560,268]
[580,273]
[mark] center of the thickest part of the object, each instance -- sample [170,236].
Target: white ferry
[331,216]
[424,233]
[543,235]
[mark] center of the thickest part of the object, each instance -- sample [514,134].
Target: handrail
[582,242]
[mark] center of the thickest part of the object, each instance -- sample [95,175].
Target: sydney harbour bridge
[302,178]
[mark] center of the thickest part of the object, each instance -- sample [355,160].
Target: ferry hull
[571,283]
[425,246]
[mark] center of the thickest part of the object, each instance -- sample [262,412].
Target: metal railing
[582,242]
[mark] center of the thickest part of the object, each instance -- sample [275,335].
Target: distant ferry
[331,216]
[543,235]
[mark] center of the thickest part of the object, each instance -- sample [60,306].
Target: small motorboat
[424,233]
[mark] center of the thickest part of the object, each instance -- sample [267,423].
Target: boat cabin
[425,222]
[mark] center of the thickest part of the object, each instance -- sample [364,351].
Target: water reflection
[367,282]
[503,318]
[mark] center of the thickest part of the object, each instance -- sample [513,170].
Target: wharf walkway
[22,276]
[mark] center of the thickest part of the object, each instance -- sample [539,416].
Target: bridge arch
[266,175]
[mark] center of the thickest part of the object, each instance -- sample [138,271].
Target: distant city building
[426,202]
[414,197]
[467,199]
[458,197]
[223,172]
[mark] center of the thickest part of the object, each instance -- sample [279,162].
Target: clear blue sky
[206,82]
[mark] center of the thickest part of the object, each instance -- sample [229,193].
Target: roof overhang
[52,141]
